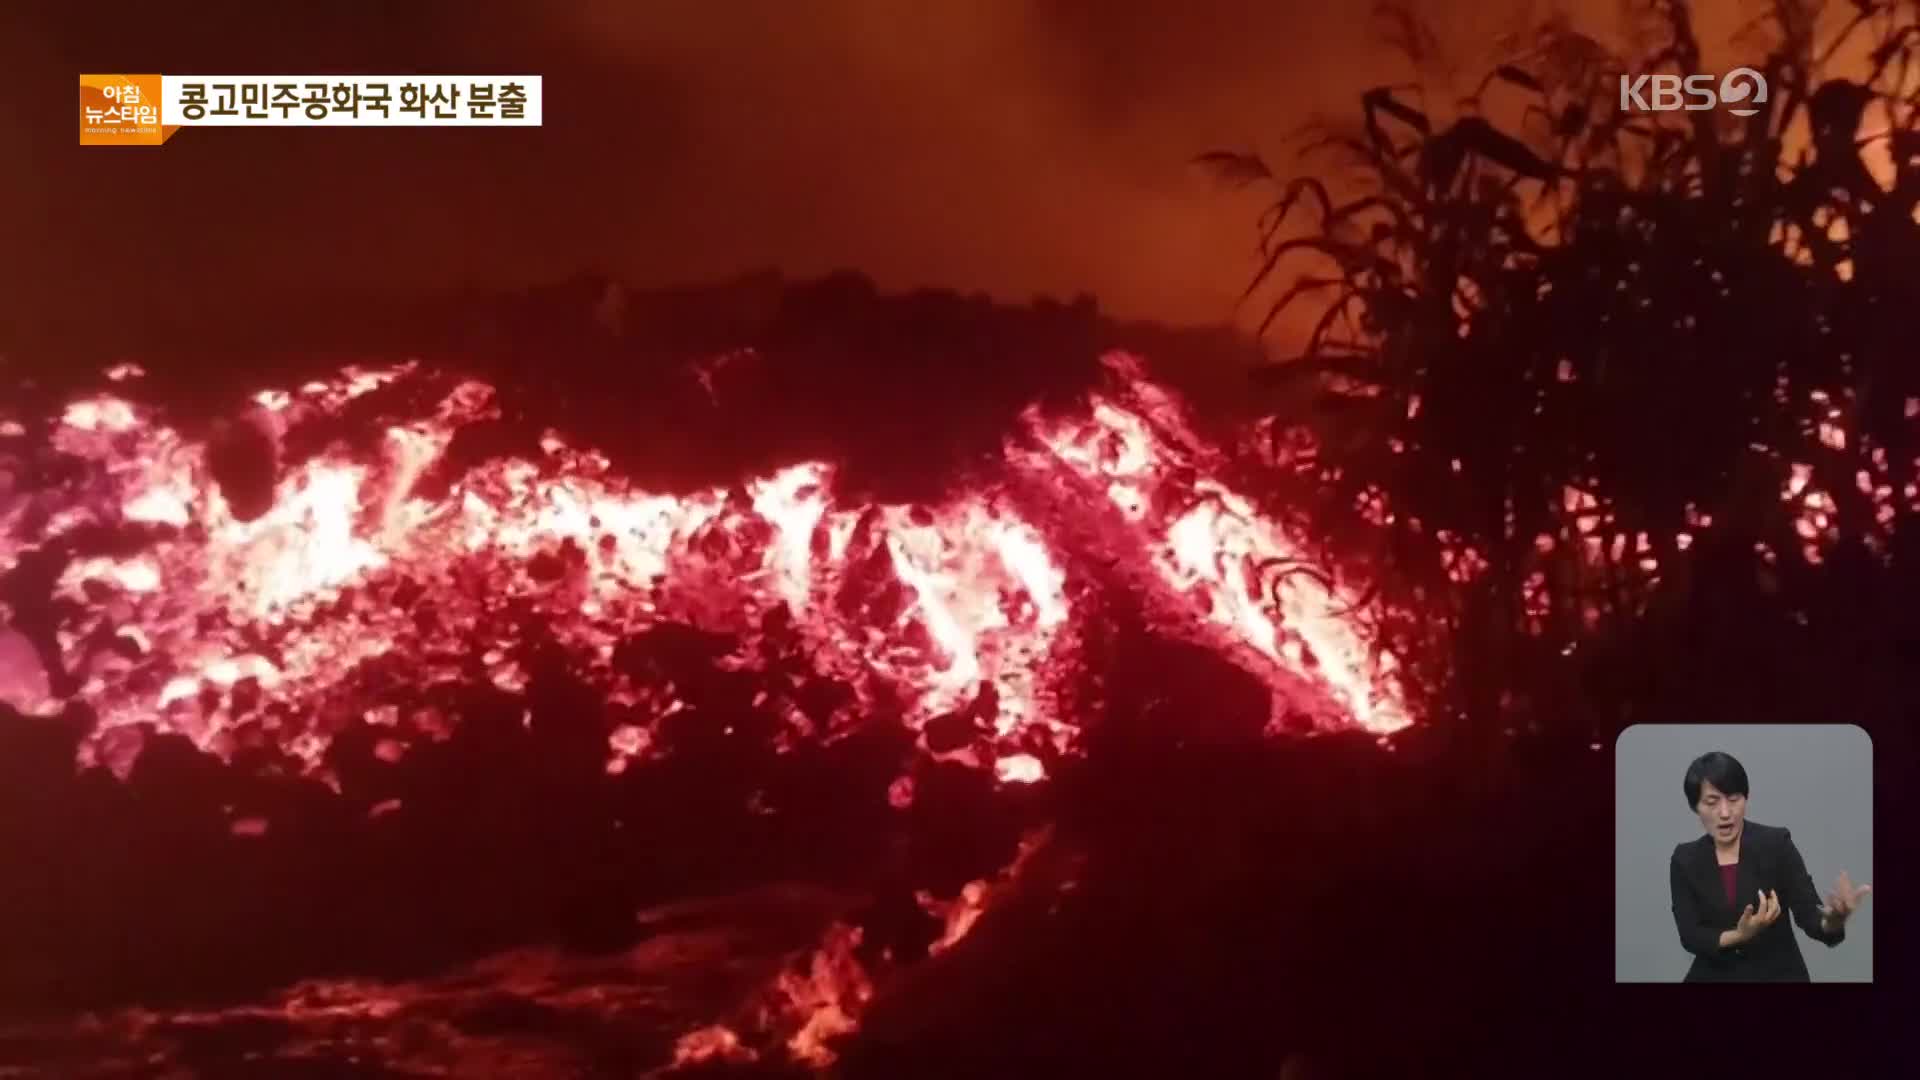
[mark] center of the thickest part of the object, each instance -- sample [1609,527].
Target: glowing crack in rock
[273,630]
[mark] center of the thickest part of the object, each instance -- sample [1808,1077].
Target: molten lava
[327,561]
[379,567]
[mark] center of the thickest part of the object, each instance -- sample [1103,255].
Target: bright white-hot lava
[172,612]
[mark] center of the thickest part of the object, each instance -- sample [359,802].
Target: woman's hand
[1843,901]
[1753,920]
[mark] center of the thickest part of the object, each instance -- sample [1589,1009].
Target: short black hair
[1718,769]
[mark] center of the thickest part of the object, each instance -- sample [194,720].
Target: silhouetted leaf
[1477,136]
[1381,99]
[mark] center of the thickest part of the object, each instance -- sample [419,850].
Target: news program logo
[122,110]
[1742,90]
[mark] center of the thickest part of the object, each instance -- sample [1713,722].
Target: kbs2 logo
[1741,89]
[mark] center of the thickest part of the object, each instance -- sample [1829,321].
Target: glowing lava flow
[279,630]
[1220,559]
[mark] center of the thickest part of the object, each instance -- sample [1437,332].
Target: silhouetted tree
[1594,395]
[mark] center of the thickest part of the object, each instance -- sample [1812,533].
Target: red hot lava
[237,632]
[377,566]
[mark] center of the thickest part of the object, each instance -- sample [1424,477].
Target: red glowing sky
[1013,148]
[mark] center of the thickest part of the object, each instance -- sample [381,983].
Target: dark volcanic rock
[245,461]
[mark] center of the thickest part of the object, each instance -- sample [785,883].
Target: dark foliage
[1549,351]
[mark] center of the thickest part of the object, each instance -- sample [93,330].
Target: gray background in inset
[1814,779]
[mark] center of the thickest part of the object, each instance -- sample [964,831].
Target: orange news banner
[122,110]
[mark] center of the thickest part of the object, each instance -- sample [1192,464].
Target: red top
[1727,875]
